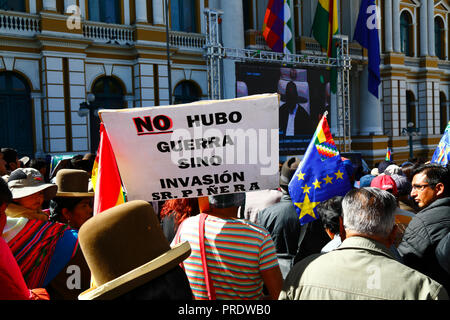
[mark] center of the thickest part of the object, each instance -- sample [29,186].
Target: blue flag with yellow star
[320,176]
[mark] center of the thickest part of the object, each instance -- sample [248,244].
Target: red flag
[105,176]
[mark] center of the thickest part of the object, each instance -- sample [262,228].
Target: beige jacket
[359,269]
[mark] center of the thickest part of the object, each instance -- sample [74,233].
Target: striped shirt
[236,251]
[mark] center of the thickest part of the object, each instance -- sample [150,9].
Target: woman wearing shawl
[41,248]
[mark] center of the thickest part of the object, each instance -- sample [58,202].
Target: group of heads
[69,200]
[423,183]
[370,210]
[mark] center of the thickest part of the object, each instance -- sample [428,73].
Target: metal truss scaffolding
[215,52]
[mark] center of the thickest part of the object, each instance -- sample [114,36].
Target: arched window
[16,129]
[444,111]
[13,5]
[183,15]
[185,92]
[439,38]
[109,94]
[107,11]
[406,34]
[411,109]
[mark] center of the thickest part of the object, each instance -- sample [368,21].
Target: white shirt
[291,121]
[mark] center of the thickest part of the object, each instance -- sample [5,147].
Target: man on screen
[294,120]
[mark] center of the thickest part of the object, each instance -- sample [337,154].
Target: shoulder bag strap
[208,280]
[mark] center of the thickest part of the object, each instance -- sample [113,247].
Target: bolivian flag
[105,176]
[325,26]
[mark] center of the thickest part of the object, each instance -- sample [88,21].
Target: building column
[126,12]
[129,99]
[396,24]
[431,44]
[141,11]
[49,5]
[32,6]
[423,29]
[233,23]
[36,98]
[68,3]
[158,12]
[388,25]
[371,114]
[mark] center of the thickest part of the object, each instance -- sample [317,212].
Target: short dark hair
[58,203]
[329,212]
[5,193]
[9,155]
[435,174]
[38,163]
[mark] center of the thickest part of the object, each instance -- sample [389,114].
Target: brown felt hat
[287,171]
[73,183]
[125,248]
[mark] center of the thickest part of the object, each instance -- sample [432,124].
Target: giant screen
[304,97]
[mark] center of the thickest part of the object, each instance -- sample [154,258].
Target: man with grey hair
[362,267]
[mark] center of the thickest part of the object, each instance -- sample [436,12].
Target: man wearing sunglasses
[431,192]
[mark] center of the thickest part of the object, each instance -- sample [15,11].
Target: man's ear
[342,233]
[391,237]
[439,189]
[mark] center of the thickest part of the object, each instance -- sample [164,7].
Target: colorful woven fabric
[277,28]
[324,141]
[388,154]
[33,249]
[236,253]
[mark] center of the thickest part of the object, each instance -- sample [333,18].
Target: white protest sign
[197,149]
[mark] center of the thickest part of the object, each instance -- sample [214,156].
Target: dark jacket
[281,220]
[292,240]
[422,236]
[302,123]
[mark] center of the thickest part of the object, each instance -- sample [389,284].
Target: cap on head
[287,171]
[385,182]
[228,200]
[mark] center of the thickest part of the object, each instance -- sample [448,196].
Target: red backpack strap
[208,280]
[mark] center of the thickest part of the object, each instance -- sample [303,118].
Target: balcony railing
[108,33]
[255,40]
[187,40]
[19,23]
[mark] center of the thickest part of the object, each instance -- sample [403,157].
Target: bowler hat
[73,183]
[125,248]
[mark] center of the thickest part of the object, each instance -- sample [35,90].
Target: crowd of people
[387,238]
